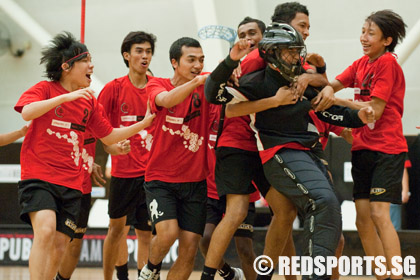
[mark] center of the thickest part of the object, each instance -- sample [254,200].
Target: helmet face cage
[277,38]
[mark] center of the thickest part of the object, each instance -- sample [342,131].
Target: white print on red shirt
[75,154]
[193,140]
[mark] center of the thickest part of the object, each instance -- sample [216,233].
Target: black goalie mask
[280,36]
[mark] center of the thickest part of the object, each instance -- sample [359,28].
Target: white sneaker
[239,274]
[147,274]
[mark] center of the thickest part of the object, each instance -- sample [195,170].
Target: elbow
[26,116]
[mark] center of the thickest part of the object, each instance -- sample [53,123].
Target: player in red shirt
[91,175]
[52,159]
[176,171]
[125,103]
[379,149]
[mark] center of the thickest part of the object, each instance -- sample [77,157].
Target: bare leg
[245,249]
[71,258]
[236,211]
[166,233]
[44,227]
[387,233]
[144,238]
[188,245]
[122,248]
[111,244]
[371,242]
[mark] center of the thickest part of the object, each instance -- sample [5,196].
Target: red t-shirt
[211,155]
[179,149]
[383,78]
[53,147]
[324,129]
[125,105]
[89,150]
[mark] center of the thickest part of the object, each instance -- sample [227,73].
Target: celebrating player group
[192,153]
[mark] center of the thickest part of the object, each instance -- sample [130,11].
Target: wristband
[321,70]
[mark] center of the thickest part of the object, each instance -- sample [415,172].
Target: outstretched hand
[286,96]
[148,117]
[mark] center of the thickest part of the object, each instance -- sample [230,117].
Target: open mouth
[88,76]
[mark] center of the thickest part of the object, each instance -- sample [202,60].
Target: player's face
[290,56]
[301,24]
[372,39]
[251,32]
[80,73]
[139,57]
[190,64]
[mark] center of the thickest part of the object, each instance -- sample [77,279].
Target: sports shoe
[239,274]
[147,274]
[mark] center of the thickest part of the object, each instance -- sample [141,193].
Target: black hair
[175,52]
[391,25]
[286,12]
[261,24]
[63,47]
[137,37]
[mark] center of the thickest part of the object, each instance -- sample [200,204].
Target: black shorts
[236,169]
[36,195]
[216,208]
[377,176]
[185,202]
[139,218]
[82,219]
[125,197]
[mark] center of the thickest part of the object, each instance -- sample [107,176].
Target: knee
[144,237]
[380,218]
[236,215]
[45,234]
[328,203]
[166,239]
[115,232]
[285,217]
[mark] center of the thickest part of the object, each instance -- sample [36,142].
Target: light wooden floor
[22,273]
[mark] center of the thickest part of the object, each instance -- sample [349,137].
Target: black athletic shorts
[35,195]
[377,176]
[236,169]
[127,196]
[216,208]
[185,202]
[139,218]
[82,219]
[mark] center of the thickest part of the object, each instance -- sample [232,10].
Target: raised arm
[36,109]
[169,99]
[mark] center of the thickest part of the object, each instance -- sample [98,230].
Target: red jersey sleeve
[36,93]
[347,78]
[154,87]
[252,62]
[97,123]
[407,164]
[385,77]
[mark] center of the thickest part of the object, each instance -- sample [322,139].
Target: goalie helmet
[277,37]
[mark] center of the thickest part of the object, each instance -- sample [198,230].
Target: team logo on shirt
[124,108]
[59,111]
[192,141]
[377,191]
[154,213]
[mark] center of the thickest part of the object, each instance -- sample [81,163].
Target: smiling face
[139,57]
[79,75]
[251,32]
[190,63]
[373,42]
[301,24]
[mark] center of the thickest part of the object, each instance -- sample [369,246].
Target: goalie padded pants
[300,176]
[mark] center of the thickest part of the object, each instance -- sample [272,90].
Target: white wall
[335,30]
